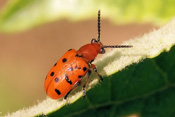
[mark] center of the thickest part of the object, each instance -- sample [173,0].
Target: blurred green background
[31,44]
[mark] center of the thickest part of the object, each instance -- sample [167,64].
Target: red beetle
[70,69]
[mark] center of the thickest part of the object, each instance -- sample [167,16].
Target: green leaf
[144,88]
[19,15]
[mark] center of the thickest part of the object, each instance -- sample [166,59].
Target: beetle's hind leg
[65,97]
[84,86]
[77,84]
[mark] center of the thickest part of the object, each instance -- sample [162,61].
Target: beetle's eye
[94,41]
[102,50]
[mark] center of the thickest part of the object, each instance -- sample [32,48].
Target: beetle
[70,69]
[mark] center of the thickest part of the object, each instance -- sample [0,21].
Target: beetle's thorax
[90,51]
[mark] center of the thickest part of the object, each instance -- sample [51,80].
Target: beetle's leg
[84,86]
[65,97]
[95,69]
[77,84]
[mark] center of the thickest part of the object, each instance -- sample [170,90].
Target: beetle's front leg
[95,70]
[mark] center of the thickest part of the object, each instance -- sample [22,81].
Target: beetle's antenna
[108,46]
[117,46]
[99,26]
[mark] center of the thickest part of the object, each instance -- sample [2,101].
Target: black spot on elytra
[76,67]
[56,79]
[55,64]
[69,49]
[70,68]
[64,60]
[57,91]
[84,69]
[68,80]
[52,73]
[80,76]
